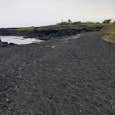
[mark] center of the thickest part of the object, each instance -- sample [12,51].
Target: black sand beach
[58,77]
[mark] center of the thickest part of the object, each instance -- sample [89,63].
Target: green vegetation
[109,31]
[26,28]
[92,24]
[108,27]
[81,24]
[69,24]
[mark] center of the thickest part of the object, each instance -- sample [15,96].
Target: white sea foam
[19,40]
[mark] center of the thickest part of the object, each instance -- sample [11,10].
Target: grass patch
[92,24]
[64,25]
[25,28]
[109,31]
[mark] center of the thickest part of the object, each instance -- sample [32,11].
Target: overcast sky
[44,12]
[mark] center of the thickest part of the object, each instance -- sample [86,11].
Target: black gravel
[58,77]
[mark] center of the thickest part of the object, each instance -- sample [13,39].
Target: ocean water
[19,40]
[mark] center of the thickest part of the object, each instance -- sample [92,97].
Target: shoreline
[46,33]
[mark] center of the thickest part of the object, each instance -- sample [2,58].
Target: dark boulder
[4,44]
[12,44]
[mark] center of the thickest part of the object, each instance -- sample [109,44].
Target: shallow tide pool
[19,40]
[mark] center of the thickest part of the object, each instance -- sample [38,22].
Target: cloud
[43,12]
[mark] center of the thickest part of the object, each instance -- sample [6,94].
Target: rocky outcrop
[46,33]
[6,44]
